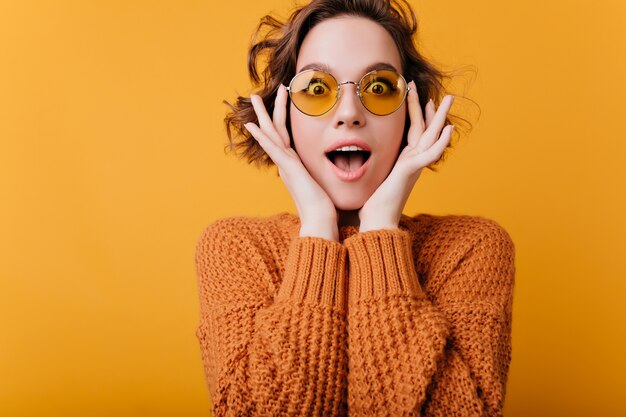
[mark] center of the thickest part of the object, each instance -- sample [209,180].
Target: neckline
[406,223]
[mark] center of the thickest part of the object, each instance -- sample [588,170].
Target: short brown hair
[281,44]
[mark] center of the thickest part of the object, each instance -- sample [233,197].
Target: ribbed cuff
[315,272]
[381,263]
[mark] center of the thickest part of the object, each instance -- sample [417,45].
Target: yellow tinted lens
[313,92]
[382,92]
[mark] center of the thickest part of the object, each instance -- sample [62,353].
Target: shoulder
[232,226]
[462,232]
[239,232]
[236,257]
[462,250]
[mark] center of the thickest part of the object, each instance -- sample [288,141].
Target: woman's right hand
[318,215]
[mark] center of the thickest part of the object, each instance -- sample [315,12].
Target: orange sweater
[408,322]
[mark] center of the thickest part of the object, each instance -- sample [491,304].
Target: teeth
[349,148]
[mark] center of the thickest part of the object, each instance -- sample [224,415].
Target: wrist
[369,226]
[377,221]
[321,232]
[322,227]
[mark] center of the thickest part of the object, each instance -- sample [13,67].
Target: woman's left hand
[426,141]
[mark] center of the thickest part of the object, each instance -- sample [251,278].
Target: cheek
[304,133]
[392,130]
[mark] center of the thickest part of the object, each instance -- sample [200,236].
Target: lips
[348,142]
[349,176]
[349,158]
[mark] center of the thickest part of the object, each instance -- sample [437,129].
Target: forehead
[348,47]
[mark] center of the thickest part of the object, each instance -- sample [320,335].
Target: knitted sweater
[414,321]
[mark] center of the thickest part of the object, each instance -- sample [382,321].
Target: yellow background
[112,163]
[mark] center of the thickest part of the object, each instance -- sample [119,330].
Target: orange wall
[111,163]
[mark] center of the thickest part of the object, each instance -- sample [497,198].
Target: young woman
[351,307]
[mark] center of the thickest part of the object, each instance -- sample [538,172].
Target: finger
[265,123]
[437,122]
[415,116]
[430,112]
[275,153]
[280,115]
[424,142]
[434,153]
[417,152]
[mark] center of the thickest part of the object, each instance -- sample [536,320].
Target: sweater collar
[292,221]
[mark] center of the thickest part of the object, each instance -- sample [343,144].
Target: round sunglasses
[315,92]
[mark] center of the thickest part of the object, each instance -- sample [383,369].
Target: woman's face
[348,46]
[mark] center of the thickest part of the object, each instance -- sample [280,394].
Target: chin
[348,203]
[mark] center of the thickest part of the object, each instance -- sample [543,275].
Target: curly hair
[279,42]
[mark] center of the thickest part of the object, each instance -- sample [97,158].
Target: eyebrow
[373,67]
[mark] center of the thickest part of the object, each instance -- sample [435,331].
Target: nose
[349,110]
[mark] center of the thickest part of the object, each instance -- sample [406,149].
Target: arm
[445,353]
[264,356]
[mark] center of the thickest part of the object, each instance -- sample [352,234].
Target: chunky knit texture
[414,321]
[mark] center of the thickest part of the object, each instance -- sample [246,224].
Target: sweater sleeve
[266,351]
[413,354]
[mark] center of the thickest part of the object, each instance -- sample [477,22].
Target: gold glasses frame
[358,90]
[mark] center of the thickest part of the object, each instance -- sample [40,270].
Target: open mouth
[348,160]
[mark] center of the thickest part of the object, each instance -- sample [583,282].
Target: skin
[348,45]
[366,43]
